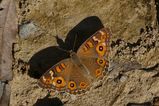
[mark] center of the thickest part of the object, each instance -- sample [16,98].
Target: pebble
[28,29]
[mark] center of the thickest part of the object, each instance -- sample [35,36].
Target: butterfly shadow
[48,102]
[46,58]
[157,8]
[140,104]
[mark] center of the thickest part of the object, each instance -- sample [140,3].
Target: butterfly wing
[68,76]
[94,52]
[65,76]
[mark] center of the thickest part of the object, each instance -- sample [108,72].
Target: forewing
[94,52]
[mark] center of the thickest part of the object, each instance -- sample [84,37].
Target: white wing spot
[44,79]
[101,32]
[96,39]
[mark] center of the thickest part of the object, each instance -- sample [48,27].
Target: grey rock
[28,29]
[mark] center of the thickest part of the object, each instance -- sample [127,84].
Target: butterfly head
[72,53]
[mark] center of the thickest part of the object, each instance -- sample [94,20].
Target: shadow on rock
[82,31]
[140,104]
[157,8]
[48,102]
[46,58]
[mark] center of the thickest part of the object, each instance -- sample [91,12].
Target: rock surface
[134,56]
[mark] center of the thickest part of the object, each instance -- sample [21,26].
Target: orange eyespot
[98,72]
[101,49]
[72,85]
[101,62]
[83,85]
[59,82]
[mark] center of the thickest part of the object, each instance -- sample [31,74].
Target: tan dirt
[134,56]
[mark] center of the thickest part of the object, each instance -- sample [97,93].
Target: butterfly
[77,73]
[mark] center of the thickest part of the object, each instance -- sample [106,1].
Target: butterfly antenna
[55,29]
[58,39]
[74,44]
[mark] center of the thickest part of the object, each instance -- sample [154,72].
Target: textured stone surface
[29,29]
[134,50]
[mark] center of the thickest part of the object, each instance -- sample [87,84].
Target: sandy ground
[134,55]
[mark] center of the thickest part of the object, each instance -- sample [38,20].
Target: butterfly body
[75,59]
[77,73]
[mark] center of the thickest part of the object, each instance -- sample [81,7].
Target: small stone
[123,78]
[28,29]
